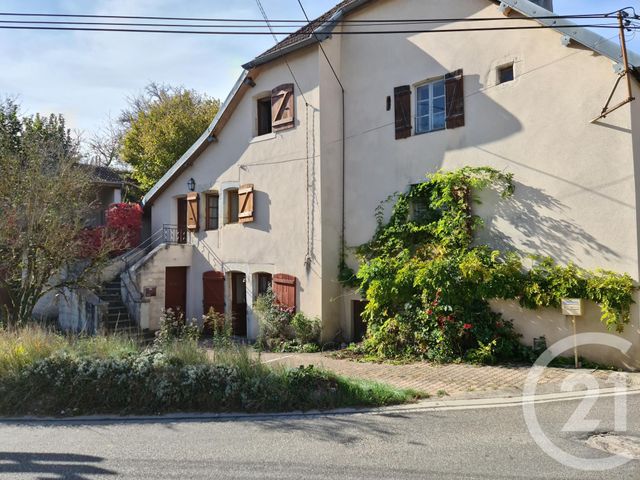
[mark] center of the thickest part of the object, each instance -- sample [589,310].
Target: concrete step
[118,319]
[117,308]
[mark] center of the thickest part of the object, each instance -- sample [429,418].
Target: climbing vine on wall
[428,286]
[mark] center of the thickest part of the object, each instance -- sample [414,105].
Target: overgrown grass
[42,373]
[19,348]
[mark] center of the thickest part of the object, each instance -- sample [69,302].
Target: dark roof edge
[319,34]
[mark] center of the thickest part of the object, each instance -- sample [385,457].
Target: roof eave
[575,32]
[319,34]
[198,146]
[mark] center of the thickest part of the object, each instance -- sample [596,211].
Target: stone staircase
[117,318]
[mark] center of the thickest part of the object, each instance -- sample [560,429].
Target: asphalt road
[462,444]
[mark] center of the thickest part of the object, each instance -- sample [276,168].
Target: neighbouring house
[109,184]
[83,310]
[305,149]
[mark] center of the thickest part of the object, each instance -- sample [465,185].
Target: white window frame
[429,84]
[503,67]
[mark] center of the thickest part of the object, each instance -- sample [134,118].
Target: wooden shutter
[192,212]
[402,100]
[245,203]
[282,107]
[454,84]
[284,288]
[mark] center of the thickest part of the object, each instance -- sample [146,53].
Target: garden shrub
[428,286]
[219,326]
[281,329]
[306,329]
[174,327]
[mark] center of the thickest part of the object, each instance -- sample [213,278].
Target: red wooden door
[182,220]
[175,292]
[213,291]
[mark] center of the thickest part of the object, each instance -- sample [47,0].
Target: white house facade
[290,172]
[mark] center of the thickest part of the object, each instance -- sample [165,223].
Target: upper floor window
[430,106]
[505,74]
[439,104]
[277,111]
[212,214]
[264,116]
[238,204]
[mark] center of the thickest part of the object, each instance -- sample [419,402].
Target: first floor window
[431,106]
[212,211]
[232,206]
[263,283]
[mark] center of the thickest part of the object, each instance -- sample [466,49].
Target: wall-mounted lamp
[191,184]
[249,81]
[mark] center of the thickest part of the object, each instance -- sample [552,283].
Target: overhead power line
[236,26]
[115,28]
[266,20]
[304,20]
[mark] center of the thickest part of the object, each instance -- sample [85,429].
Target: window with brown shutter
[402,99]
[192,212]
[264,116]
[284,289]
[232,205]
[211,213]
[454,84]
[282,107]
[245,202]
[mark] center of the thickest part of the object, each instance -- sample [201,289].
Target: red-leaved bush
[122,231]
[124,221]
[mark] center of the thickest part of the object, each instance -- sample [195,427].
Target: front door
[182,220]
[213,291]
[239,304]
[175,292]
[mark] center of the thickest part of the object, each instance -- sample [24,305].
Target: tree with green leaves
[160,126]
[45,199]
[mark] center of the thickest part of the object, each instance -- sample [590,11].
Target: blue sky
[87,76]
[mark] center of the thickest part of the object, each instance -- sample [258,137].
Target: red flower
[429,311]
[467,326]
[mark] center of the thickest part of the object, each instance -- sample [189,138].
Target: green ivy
[428,286]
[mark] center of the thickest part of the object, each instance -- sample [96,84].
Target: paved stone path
[460,380]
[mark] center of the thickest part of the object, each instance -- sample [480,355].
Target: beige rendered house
[305,149]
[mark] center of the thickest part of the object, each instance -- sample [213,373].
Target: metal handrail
[168,234]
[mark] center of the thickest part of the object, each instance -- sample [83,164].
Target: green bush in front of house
[428,284]
[43,373]
[283,330]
